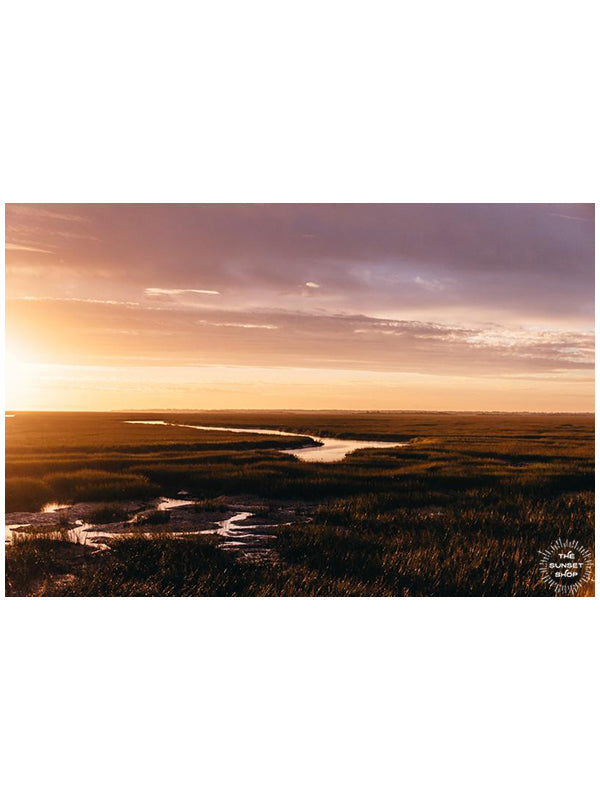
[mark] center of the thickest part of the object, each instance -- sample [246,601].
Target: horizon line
[276,410]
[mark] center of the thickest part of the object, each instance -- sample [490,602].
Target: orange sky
[399,306]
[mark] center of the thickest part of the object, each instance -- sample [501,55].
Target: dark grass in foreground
[463,510]
[483,544]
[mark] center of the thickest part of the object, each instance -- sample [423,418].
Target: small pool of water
[167,503]
[50,508]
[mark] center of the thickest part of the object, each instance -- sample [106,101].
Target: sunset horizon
[412,306]
[241,409]
[299,400]
[244,440]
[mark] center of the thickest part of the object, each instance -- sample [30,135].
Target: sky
[323,306]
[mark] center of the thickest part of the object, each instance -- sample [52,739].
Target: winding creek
[326,449]
[242,525]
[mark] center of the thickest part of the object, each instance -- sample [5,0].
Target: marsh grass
[34,560]
[210,504]
[91,485]
[463,510]
[106,514]
[323,560]
[153,517]
[159,564]
[26,494]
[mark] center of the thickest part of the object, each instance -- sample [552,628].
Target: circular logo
[565,566]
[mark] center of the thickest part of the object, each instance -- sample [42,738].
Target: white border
[323,101]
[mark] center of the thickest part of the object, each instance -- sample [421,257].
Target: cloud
[154,292]
[429,283]
[516,262]
[407,289]
[237,325]
[91,300]
[54,212]
[575,219]
[184,336]
[9,246]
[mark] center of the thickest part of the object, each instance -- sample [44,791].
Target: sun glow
[19,363]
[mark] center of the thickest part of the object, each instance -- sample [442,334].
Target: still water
[327,449]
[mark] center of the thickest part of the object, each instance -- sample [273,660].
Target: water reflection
[325,449]
[50,508]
